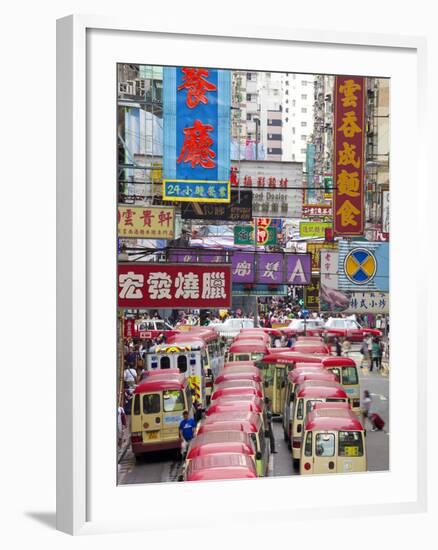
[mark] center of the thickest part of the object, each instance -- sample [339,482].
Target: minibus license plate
[152,435]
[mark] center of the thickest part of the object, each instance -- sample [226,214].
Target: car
[152,328]
[309,327]
[348,328]
[230,328]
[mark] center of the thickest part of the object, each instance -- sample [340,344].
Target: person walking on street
[365,354]
[376,355]
[269,417]
[338,348]
[346,346]
[186,431]
[366,408]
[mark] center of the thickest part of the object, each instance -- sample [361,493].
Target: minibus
[248,422]
[220,467]
[158,404]
[239,373]
[234,387]
[345,370]
[247,350]
[306,395]
[310,347]
[333,442]
[309,371]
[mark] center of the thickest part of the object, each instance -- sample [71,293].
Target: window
[248,97]
[303,96]
[310,403]
[248,116]
[137,404]
[300,409]
[303,151]
[308,445]
[349,375]
[165,362]
[303,138]
[337,373]
[293,129]
[303,123]
[294,103]
[304,83]
[173,400]
[287,119]
[287,109]
[287,92]
[325,445]
[151,403]
[243,357]
[350,444]
[182,363]
[303,109]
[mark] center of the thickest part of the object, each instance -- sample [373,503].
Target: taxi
[333,442]
[221,466]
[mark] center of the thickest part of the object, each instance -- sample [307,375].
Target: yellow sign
[351,451]
[313,229]
[146,222]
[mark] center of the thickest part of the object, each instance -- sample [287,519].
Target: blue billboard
[363,265]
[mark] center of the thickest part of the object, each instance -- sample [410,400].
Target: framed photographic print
[231,274]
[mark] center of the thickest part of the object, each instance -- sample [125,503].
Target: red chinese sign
[196,84]
[169,286]
[348,161]
[196,147]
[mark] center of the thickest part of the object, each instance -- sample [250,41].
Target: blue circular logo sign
[360,266]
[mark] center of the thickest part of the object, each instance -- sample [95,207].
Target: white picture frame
[85,425]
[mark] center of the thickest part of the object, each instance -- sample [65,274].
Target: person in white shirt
[130,376]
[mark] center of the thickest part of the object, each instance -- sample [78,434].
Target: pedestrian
[366,409]
[186,432]
[131,357]
[338,348]
[376,355]
[121,424]
[346,346]
[130,375]
[365,354]
[270,430]
[198,411]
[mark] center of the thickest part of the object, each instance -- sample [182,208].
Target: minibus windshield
[349,376]
[350,444]
[151,403]
[173,400]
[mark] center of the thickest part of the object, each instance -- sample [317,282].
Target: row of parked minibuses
[316,394]
[179,375]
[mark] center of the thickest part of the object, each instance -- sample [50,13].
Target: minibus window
[332,400]
[173,400]
[300,408]
[151,403]
[182,363]
[350,444]
[349,376]
[309,405]
[337,373]
[137,404]
[308,447]
[165,362]
[256,356]
[325,445]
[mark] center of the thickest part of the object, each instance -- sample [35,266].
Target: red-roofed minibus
[234,387]
[306,395]
[158,405]
[221,467]
[275,368]
[247,422]
[333,442]
[301,373]
[345,369]
[247,350]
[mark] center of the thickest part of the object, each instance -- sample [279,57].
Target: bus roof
[238,367]
[260,330]
[157,383]
[321,389]
[332,405]
[287,358]
[294,374]
[314,375]
[162,372]
[221,466]
[310,339]
[338,362]
[239,364]
[224,406]
[237,375]
[229,425]
[332,419]
[239,383]
[248,346]
[220,442]
[310,347]
[179,344]
[233,416]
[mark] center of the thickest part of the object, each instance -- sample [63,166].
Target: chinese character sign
[313,229]
[348,162]
[196,133]
[317,210]
[315,249]
[167,286]
[146,222]
[311,294]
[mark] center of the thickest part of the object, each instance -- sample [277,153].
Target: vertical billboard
[349,158]
[196,160]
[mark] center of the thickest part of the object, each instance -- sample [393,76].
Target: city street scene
[253,327]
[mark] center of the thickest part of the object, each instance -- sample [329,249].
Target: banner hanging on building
[313,229]
[335,301]
[197,111]
[311,294]
[363,266]
[146,222]
[271,268]
[167,286]
[238,210]
[349,159]
[276,187]
[315,249]
[317,210]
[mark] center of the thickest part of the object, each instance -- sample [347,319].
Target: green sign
[244,234]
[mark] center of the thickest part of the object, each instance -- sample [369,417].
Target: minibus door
[151,416]
[324,461]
